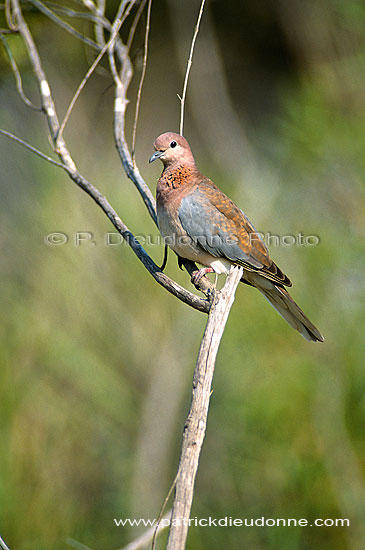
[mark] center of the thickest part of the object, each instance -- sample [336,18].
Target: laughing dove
[200,223]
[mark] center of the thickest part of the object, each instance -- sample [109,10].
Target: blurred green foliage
[97,360]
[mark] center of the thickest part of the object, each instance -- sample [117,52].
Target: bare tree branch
[195,425]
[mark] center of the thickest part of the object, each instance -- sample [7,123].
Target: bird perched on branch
[200,223]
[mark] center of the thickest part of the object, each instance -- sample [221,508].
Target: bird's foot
[197,275]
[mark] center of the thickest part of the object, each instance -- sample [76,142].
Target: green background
[97,359]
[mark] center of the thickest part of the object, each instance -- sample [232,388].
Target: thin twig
[76,544]
[68,12]
[140,86]
[160,515]
[18,78]
[132,30]
[188,67]
[145,538]
[33,149]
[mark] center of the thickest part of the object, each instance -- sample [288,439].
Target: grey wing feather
[204,223]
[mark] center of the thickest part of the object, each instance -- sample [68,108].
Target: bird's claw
[197,275]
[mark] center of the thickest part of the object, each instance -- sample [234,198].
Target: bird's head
[172,149]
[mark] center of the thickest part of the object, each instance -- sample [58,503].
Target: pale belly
[180,242]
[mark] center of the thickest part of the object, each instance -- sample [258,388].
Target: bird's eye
[173,144]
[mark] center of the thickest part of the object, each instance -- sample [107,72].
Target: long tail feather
[284,304]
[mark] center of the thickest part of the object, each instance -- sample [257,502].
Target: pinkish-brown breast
[173,185]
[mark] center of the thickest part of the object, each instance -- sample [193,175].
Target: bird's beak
[156,156]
